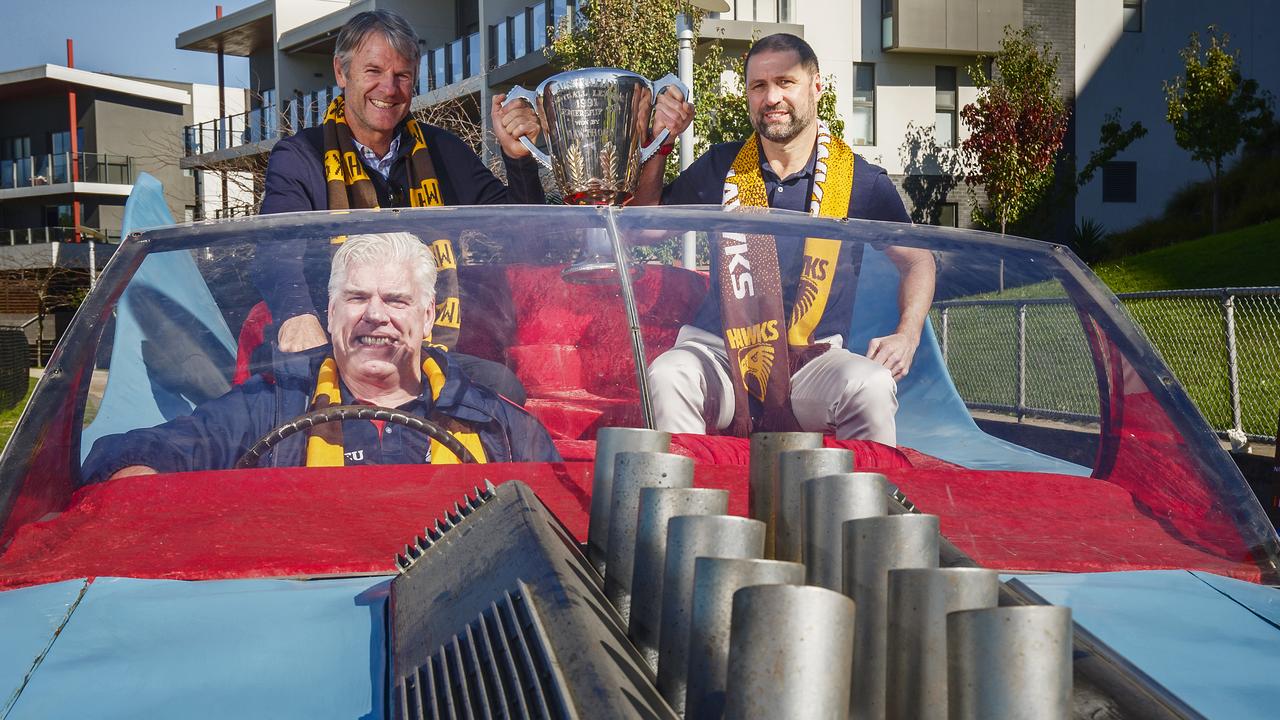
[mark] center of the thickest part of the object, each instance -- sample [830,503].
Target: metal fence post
[946,336]
[1233,365]
[1021,403]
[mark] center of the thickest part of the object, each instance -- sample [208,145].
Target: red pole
[222,114]
[74,159]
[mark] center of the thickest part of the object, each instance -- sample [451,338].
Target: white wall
[844,33]
[298,71]
[204,106]
[1127,70]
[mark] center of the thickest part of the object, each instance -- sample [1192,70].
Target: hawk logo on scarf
[333,167]
[755,363]
[810,288]
[751,287]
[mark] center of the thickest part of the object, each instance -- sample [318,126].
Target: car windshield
[1035,418]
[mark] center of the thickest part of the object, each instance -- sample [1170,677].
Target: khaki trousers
[838,392]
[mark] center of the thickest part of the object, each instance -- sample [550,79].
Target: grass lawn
[1247,257]
[9,418]
[1190,333]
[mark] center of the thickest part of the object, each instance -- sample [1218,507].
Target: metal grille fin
[452,518]
[499,666]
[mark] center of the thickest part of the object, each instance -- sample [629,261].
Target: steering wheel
[338,413]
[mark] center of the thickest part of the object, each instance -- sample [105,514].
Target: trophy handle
[519,93]
[660,86]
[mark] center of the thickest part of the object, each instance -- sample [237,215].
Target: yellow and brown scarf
[348,186]
[761,358]
[324,442]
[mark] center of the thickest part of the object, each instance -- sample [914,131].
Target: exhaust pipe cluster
[821,604]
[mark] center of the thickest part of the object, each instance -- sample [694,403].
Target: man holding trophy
[371,152]
[790,162]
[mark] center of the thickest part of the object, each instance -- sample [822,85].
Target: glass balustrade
[57,168]
[39,235]
[527,31]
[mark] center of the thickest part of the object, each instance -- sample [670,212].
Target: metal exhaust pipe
[657,507]
[633,471]
[688,538]
[609,442]
[762,477]
[715,580]
[795,467]
[873,547]
[790,653]
[918,603]
[1009,662]
[828,502]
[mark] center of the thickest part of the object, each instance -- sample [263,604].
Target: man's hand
[513,122]
[894,352]
[132,470]
[671,113]
[301,332]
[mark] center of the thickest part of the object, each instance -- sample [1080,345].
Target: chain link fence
[14,361]
[1030,356]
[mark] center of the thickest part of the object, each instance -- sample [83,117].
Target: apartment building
[898,67]
[62,202]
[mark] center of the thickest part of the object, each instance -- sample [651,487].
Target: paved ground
[97,385]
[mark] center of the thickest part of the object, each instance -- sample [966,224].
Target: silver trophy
[594,120]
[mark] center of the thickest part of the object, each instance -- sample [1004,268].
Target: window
[58,216]
[945,102]
[862,122]
[15,148]
[948,214]
[59,149]
[886,24]
[1120,182]
[1133,15]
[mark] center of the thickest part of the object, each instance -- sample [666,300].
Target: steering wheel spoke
[339,413]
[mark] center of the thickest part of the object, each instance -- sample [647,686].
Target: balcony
[234,211]
[748,20]
[308,110]
[57,169]
[967,27]
[448,64]
[42,235]
[246,128]
[526,32]
[760,11]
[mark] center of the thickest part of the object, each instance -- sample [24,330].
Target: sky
[125,37]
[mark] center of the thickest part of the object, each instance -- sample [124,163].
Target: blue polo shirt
[874,197]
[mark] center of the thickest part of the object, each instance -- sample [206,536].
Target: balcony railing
[233,211]
[308,110]
[56,168]
[243,128]
[450,63]
[525,32]
[770,11]
[39,235]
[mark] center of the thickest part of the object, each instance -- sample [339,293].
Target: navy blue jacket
[295,182]
[221,430]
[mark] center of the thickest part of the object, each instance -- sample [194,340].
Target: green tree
[1017,126]
[636,36]
[1212,108]
[1113,138]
